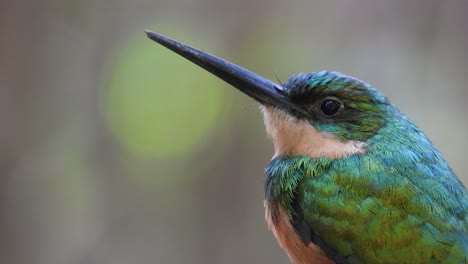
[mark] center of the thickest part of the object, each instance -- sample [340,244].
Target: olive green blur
[116,151]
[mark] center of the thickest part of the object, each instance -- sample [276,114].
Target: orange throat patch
[289,240]
[293,136]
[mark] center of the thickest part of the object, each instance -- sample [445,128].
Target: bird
[352,179]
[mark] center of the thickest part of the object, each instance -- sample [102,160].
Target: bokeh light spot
[159,104]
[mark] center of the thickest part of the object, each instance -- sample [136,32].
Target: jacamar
[352,180]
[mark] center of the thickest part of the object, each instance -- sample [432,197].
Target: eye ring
[330,106]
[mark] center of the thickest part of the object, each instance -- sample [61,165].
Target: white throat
[292,136]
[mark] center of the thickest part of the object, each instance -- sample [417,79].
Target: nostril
[280,89]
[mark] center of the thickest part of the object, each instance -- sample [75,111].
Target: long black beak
[261,89]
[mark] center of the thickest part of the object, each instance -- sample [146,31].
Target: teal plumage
[398,203]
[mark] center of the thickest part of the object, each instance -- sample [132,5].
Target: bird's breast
[289,240]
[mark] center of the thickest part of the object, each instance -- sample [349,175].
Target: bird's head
[324,114]
[333,115]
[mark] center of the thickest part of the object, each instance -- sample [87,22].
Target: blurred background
[115,150]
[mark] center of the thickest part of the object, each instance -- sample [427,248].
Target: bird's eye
[330,107]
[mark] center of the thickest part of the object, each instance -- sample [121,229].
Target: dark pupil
[330,107]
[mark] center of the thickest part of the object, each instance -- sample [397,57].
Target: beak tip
[149,33]
[153,35]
